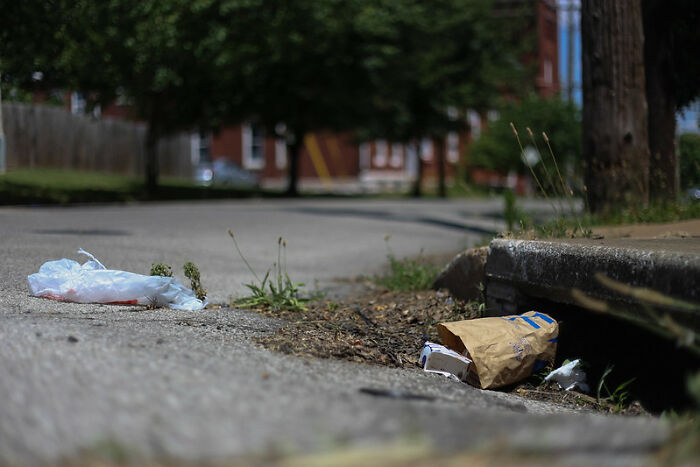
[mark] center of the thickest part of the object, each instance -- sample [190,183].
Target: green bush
[689,148]
[498,149]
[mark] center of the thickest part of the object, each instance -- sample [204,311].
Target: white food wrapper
[437,358]
[569,376]
[92,282]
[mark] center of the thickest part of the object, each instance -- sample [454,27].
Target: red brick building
[331,160]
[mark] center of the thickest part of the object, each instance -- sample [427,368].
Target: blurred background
[221,98]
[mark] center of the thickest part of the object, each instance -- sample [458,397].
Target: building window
[548,77]
[452,113]
[380,153]
[411,160]
[280,153]
[365,153]
[474,120]
[204,146]
[77,103]
[452,147]
[253,141]
[396,159]
[426,150]
[200,144]
[281,146]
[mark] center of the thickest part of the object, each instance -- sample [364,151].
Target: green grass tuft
[407,274]
[274,293]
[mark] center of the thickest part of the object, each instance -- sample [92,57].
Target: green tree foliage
[690,159]
[389,67]
[671,42]
[29,43]
[300,65]
[425,57]
[160,55]
[497,148]
[674,24]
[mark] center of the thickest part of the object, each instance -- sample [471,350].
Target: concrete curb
[519,269]
[464,275]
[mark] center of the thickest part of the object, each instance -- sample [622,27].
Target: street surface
[194,385]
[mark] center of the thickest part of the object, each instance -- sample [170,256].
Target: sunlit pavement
[194,385]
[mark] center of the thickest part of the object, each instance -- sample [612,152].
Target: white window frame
[194,147]
[247,142]
[411,159]
[547,72]
[452,147]
[396,158]
[474,120]
[380,153]
[77,104]
[280,153]
[452,113]
[426,150]
[200,147]
[365,156]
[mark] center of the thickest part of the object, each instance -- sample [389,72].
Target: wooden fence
[47,136]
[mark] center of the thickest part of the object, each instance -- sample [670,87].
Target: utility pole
[570,31]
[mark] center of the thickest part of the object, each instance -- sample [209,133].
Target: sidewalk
[661,257]
[562,278]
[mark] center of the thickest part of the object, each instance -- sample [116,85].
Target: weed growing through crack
[406,274]
[619,397]
[277,292]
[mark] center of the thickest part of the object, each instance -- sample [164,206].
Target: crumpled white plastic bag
[569,376]
[92,282]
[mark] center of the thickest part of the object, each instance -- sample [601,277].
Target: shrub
[497,149]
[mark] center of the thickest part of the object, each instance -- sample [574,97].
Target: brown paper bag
[505,349]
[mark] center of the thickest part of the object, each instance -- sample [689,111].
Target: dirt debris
[389,328]
[381,327]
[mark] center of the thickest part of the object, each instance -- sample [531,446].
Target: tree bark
[440,159]
[615,121]
[294,152]
[664,180]
[151,168]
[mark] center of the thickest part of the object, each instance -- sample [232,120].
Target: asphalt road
[193,385]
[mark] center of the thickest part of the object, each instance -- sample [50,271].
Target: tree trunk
[151,168]
[417,191]
[615,122]
[658,42]
[294,152]
[440,159]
